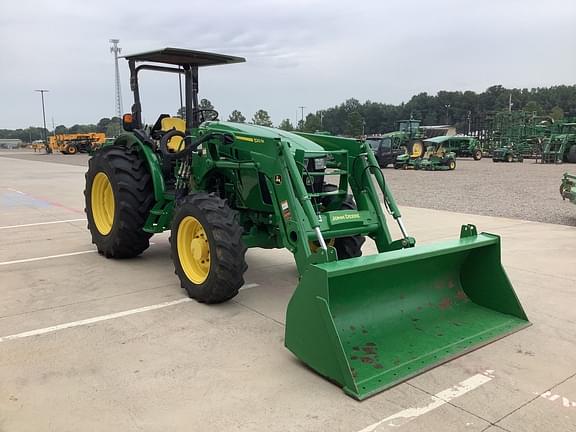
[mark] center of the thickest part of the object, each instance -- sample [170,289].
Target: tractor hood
[243,130]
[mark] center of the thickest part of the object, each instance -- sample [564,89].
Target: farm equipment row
[364,322]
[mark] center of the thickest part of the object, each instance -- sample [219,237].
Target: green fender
[129,139]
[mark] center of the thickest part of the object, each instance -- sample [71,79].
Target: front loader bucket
[369,323]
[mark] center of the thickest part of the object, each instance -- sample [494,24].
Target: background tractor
[568,188]
[76,143]
[366,323]
[409,136]
[560,146]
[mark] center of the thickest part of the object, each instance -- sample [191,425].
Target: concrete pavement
[192,367]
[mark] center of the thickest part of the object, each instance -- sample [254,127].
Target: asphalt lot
[89,344]
[527,191]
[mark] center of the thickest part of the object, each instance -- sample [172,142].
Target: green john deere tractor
[568,188]
[560,146]
[366,323]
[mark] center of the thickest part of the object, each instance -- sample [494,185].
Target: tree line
[353,118]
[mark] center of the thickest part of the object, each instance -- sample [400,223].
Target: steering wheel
[166,139]
[207,115]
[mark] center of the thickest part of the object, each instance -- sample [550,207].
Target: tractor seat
[169,123]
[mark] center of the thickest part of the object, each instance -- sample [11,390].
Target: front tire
[207,248]
[571,156]
[118,199]
[351,246]
[477,155]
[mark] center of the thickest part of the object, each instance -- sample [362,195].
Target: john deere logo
[344,217]
[278,179]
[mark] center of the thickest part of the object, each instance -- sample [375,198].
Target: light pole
[302,110]
[115,49]
[469,122]
[447,106]
[48,149]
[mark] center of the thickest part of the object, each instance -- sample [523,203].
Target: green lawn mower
[435,158]
[507,154]
[364,322]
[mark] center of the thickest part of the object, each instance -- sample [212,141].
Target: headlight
[319,164]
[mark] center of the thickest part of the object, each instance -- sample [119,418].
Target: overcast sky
[315,53]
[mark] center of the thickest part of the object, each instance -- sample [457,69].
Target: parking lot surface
[90,344]
[526,191]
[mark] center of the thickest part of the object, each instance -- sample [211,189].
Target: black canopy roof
[184,57]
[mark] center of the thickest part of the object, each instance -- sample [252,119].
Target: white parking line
[439,399]
[52,257]
[46,257]
[92,320]
[40,223]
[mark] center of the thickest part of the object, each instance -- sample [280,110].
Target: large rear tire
[416,149]
[207,248]
[571,156]
[118,199]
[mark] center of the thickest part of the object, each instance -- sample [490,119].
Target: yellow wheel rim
[193,250]
[417,149]
[103,204]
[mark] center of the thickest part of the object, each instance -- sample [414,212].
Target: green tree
[102,124]
[236,117]
[114,128]
[205,104]
[286,125]
[557,113]
[354,124]
[312,123]
[60,129]
[533,106]
[262,118]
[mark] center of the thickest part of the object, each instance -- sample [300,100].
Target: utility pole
[447,106]
[115,49]
[302,110]
[44,135]
[321,120]
[469,122]
[510,102]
